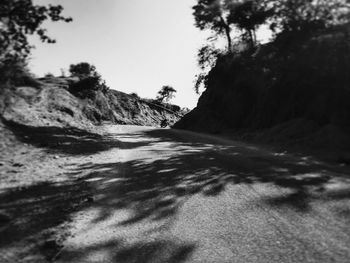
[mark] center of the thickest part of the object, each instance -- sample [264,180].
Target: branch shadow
[155,190]
[148,252]
[70,141]
[156,251]
[36,210]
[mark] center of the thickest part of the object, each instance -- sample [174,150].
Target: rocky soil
[51,104]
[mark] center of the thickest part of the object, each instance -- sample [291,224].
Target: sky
[136,45]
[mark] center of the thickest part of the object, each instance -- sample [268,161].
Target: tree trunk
[227,33]
[254,36]
[229,40]
[251,38]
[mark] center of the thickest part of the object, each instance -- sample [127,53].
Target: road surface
[174,196]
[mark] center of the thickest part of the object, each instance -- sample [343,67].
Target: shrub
[166,93]
[135,95]
[85,87]
[49,75]
[82,70]
[90,81]
[15,73]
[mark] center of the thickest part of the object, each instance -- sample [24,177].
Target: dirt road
[174,196]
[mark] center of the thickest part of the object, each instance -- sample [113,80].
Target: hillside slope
[51,104]
[295,89]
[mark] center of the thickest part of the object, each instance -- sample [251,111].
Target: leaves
[89,82]
[290,20]
[20,18]
[82,70]
[166,93]
[207,56]
[221,16]
[211,14]
[301,15]
[248,15]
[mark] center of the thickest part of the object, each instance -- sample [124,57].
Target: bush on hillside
[90,81]
[87,87]
[166,93]
[135,95]
[15,73]
[49,75]
[82,70]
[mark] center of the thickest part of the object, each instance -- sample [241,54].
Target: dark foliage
[200,81]
[166,93]
[20,18]
[300,15]
[135,95]
[222,16]
[82,70]
[207,56]
[306,78]
[90,81]
[301,74]
[86,87]
[283,16]
[248,16]
[210,14]
[16,73]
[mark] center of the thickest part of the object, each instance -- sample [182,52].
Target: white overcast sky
[136,45]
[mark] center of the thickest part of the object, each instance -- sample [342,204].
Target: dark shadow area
[155,189]
[70,141]
[146,252]
[35,210]
[344,213]
[157,251]
[298,200]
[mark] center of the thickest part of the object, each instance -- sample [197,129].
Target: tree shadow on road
[33,212]
[154,190]
[70,141]
[168,251]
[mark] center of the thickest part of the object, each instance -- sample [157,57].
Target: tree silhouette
[20,18]
[89,80]
[212,15]
[221,15]
[301,15]
[248,16]
[82,70]
[166,93]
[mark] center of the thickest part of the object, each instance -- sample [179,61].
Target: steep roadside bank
[293,91]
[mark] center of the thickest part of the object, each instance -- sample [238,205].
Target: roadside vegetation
[166,93]
[294,89]
[78,98]
[18,20]
[238,22]
[90,81]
